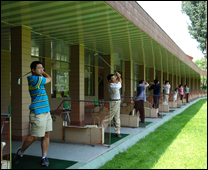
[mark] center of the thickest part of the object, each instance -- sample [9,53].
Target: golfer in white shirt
[115,99]
[166,88]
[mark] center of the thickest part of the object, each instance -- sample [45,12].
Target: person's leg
[157,104]
[167,97]
[109,116]
[141,110]
[45,143]
[154,101]
[46,139]
[28,141]
[164,99]
[137,107]
[34,120]
[157,101]
[116,118]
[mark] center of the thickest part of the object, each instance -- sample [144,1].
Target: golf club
[104,61]
[23,76]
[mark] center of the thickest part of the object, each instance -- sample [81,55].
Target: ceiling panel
[92,23]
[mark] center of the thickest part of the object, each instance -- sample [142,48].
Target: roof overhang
[100,26]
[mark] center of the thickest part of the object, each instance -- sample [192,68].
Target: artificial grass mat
[34,162]
[161,115]
[111,138]
[146,123]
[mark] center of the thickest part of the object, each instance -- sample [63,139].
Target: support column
[123,80]
[199,83]
[188,82]
[183,81]
[177,83]
[196,84]
[47,64]
[192,84]
[129,78]
[20,65]
[96,78]
[166,77]
[190,87]
[198,80]
[171,82]
[107,70]
[152,74]
[175,80]
[142,72]
[179,80]
[5,79]
[160,78]
[77,84]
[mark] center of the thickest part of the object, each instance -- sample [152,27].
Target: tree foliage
[197,12]
[200,63]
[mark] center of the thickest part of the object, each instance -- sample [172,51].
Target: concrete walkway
[94,156]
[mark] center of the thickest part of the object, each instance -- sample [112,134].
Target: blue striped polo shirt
[39,98]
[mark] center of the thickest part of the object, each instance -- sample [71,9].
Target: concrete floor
[93,156]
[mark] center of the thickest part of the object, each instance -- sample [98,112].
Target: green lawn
[180,143]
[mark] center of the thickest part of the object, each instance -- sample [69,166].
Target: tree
[200,64]
[197,12]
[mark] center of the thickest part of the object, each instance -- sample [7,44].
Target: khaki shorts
[40,124]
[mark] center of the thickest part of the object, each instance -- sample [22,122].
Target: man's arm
[151,87]
[48,78]
[119,77]
[146,84]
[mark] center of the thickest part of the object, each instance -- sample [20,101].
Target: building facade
[65,35]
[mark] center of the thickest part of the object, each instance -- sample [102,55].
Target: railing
[131,107]
[5,141]
[82,121]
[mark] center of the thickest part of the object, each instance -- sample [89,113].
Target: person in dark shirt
[139,101]
[156,91]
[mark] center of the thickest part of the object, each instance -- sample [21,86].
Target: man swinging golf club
[115,100]
[40,117]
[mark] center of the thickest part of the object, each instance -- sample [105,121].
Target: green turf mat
[112,137]
[161,115]
[33,162]
[146,123]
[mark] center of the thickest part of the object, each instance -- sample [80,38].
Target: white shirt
[114,90]
[175,96]
[166,89]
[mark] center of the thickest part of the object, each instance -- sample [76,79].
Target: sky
[168,15]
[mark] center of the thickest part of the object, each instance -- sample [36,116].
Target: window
[35,51]
[136,76]
[89,72]
[147,74]
[89,87]
[60,65]
[117,62]
[118,66]
[156,74]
